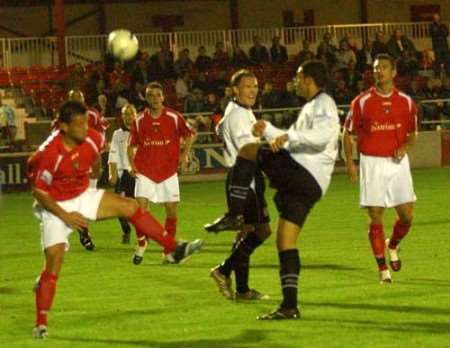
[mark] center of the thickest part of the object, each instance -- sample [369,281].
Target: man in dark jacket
[278,52]
[439,35]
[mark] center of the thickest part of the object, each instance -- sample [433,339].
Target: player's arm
[96,168]
[348,141]
[73,219]
[131,153]
[113,159]
[188,142]
[411,138]
[349,137]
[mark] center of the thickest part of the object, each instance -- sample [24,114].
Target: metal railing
[81,49]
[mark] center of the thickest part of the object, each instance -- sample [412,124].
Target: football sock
[289,274]
[45,293]
[126,229]
[148,226]
[171,226]
[376,238]
[239,260]
[399,232]
[241,178]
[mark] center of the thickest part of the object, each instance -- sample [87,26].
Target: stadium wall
[208,15]
[207,161]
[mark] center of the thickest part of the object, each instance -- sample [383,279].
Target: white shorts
[54,230]
[165,191]
[384,182]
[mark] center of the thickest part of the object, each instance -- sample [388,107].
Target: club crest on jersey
[76,164]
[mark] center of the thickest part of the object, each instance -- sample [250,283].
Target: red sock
[376,237]
[148,226]
[171,226]
[44,296]
[399,232]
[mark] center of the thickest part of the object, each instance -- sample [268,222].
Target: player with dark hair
[98,122]
[59,175]
[235,128]
[155,155]
[299,163]
[384,121]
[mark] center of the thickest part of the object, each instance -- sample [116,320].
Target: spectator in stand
[342,94]
[95,78]
[203,61]
[137,97]
[278,52]
[344,55]
[445,94]
[77,78]
[119,80]
[226,99]
[212,103]
[201,83]
[258,53]
[289,98]
[379,45]
[439,38]
[399,45]
[103,106]
[269,98]
[8,128]
[123,98]
[195,102]
[183,63]
[351,77]
[365,57]
[240,58]
[305,54]
[140,74]
[183,86]
[221,57]
[219,84]
[432,90]
[351,42]
[161,64]
[327,46]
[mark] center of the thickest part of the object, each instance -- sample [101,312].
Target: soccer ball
[123,44]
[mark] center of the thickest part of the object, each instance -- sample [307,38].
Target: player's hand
[259,128]
[352,172]
[75,220]
[183,161]
[133,172]
[400,153]
[277,144]
[112,179]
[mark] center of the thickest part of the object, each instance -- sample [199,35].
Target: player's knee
[249,151]
[406,219]
[263,231]
[130,207]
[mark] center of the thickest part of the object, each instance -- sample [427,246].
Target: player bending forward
[59,173]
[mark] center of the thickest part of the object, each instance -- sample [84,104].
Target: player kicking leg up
[298,163]
[59,175]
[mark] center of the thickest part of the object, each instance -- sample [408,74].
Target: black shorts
[297,190]
[256,212]
[125,185]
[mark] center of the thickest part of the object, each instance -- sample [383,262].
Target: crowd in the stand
[201,85]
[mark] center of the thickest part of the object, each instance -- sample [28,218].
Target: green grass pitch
[103,300]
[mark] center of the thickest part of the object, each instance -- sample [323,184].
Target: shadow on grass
[385,308]
[381,326]
[248,338]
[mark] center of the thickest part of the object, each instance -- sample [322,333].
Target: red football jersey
[64,174]
[158,143]
[382,123]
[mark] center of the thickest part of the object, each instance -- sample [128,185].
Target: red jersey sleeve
[353,120]
[43,171]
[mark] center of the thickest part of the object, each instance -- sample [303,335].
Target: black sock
[242,175]
[239,260]
[289,274]
[126,228]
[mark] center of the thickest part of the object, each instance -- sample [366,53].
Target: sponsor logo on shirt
[156,142]
[377,127]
